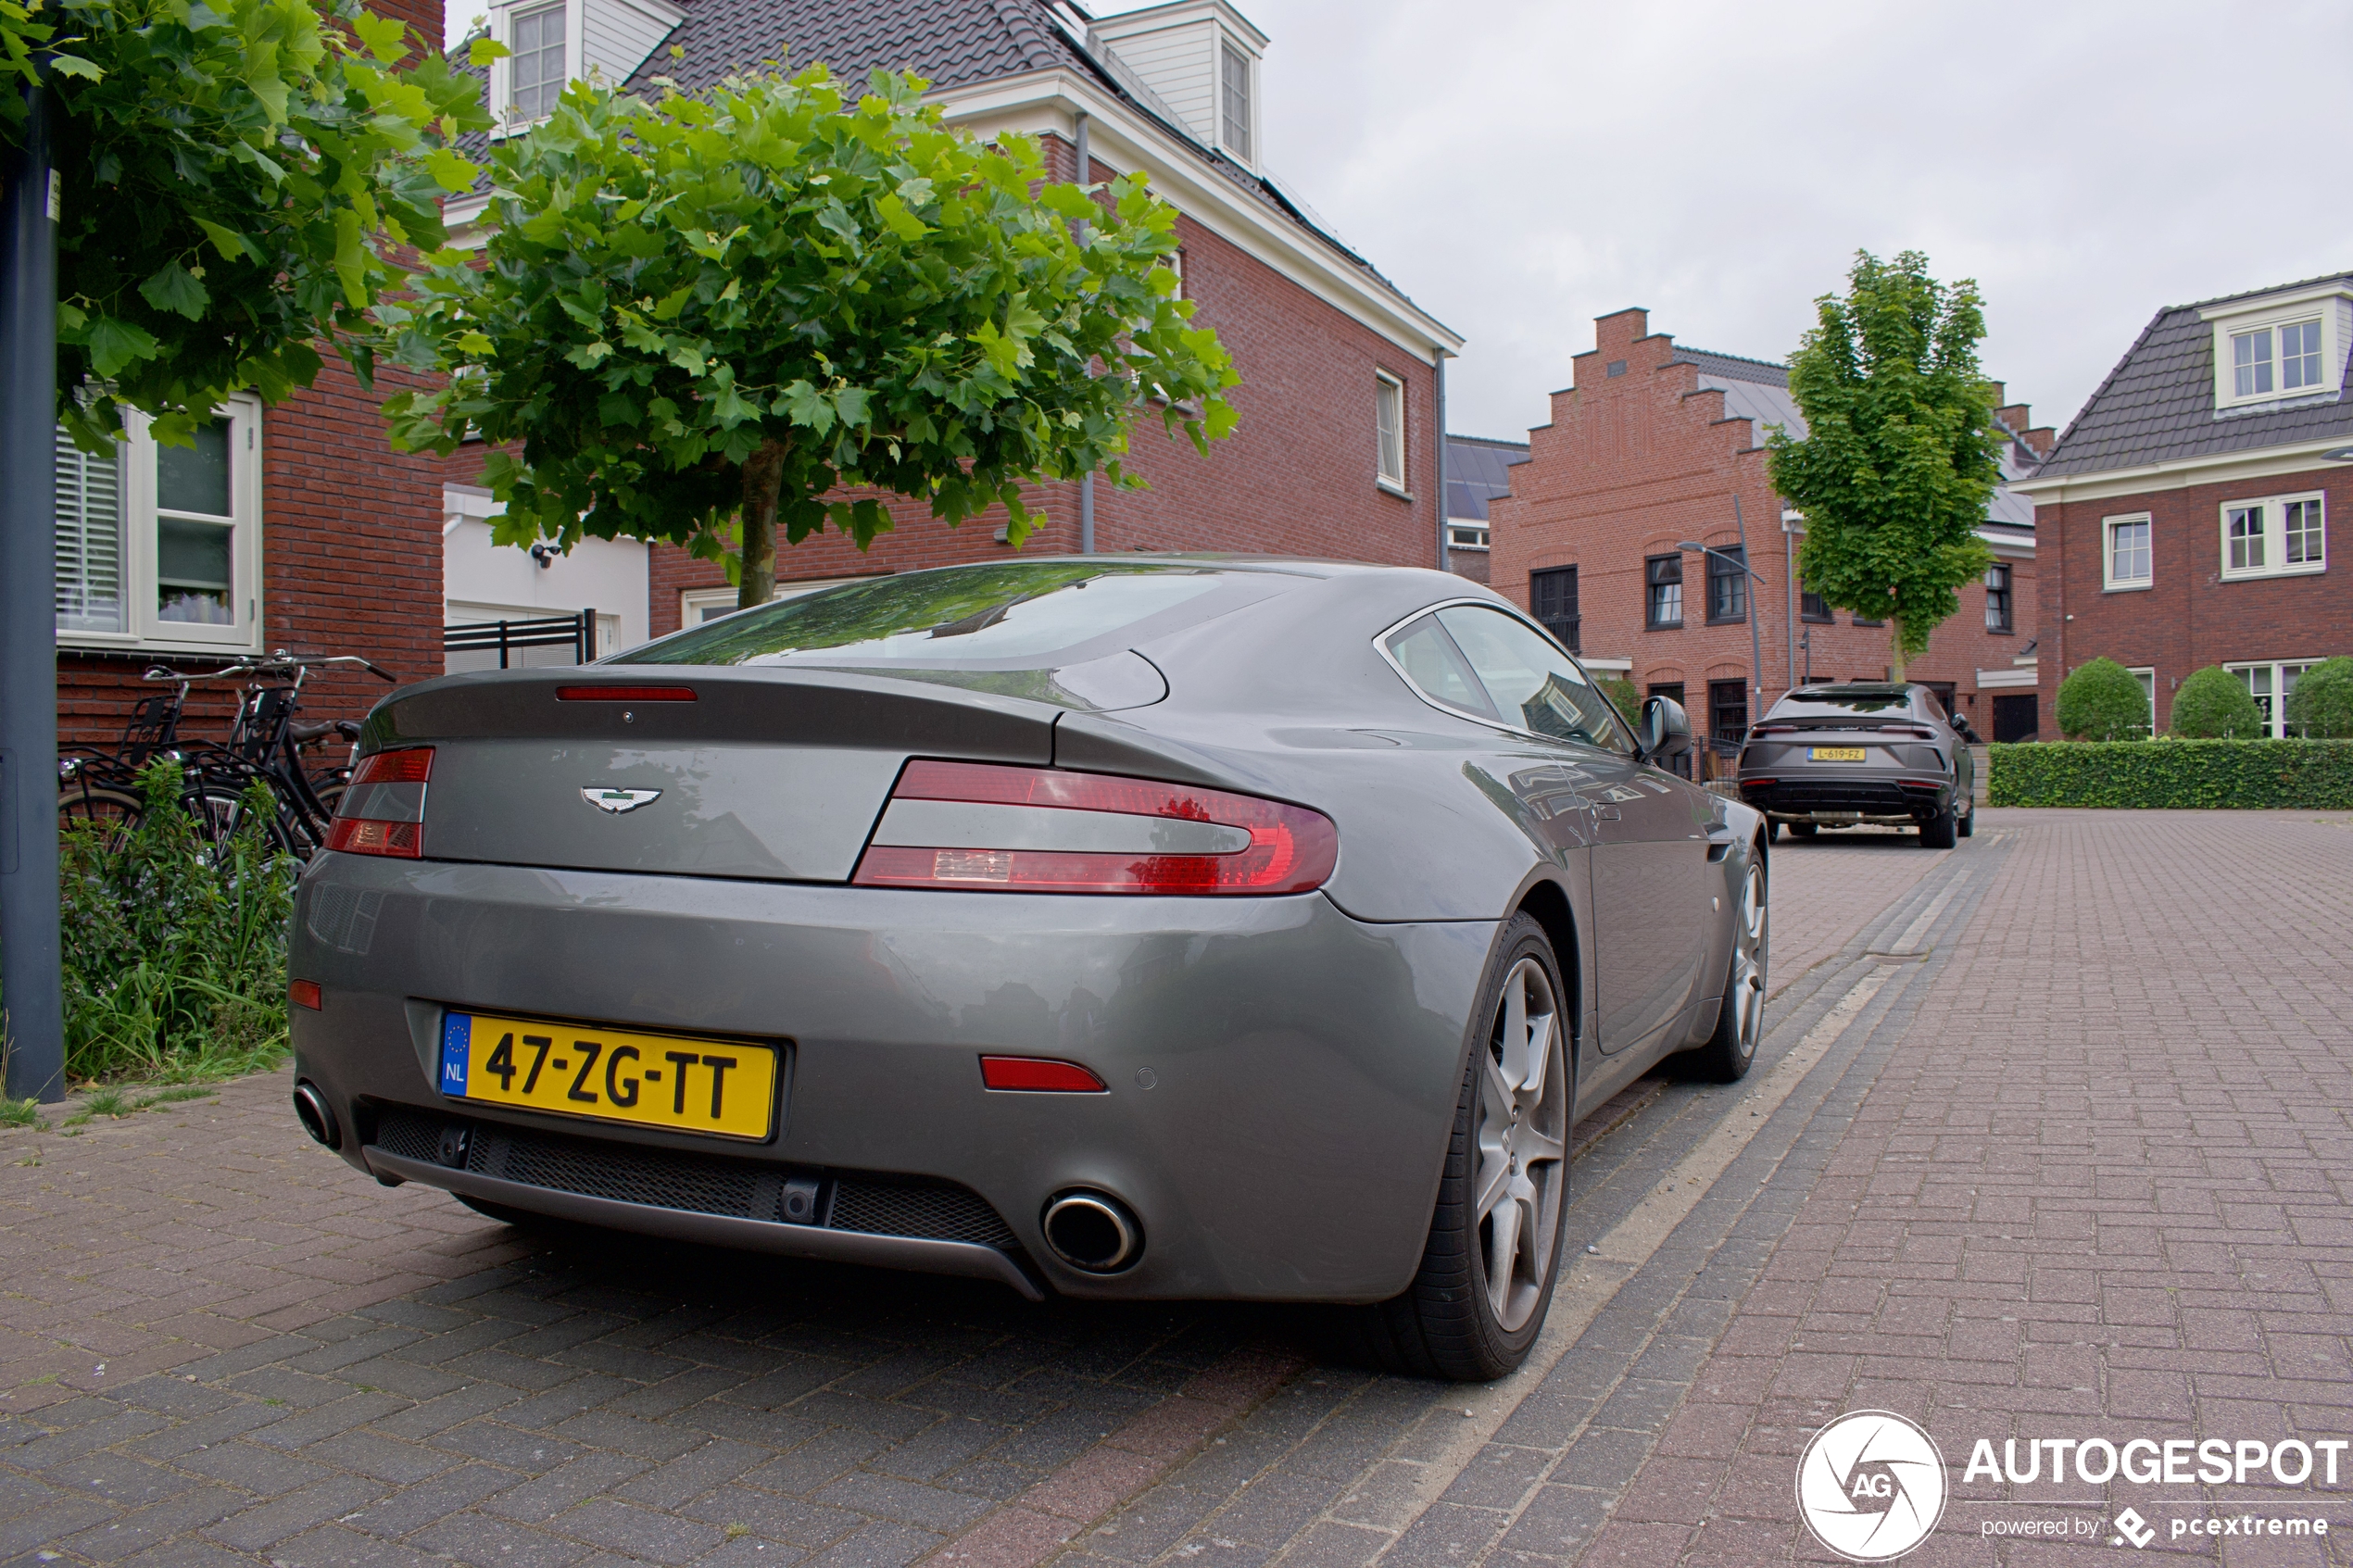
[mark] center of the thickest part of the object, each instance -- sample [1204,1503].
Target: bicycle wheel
[220,816]
[114,812]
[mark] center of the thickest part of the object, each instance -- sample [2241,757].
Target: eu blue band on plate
[457,1035]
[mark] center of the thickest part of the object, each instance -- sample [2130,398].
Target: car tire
[1967,827]
[1740,1021]
[1939,831]
[1804,830]
[1452,1321]
[1772,831]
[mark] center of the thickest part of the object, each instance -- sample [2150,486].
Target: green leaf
[115,344]
[900,221]
[173,288]
[232,245]
[351,257]
[272,93]
[689,360]
[484,50]
[386,39]
[449,170]
[75,66]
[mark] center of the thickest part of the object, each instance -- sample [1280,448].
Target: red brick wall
[2188,618]
[1633,463]
[1295,478]
[351,563]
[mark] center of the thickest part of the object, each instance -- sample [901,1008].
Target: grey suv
[1838,755]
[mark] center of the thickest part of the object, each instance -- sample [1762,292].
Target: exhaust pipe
[1093,1231]
[310,1110]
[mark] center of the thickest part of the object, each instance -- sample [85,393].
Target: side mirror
[1666,729]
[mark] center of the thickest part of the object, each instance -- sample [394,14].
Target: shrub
[174,950]
[1623,696]
[2322,705]
[2214,774]
[2213,704]
[2103,701]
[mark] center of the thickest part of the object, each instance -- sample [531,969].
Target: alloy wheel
[1522,1138]
[1750,943]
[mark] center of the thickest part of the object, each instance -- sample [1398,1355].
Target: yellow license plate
[1835,753]
[722,1086]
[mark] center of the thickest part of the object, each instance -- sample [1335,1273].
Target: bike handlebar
[275,663]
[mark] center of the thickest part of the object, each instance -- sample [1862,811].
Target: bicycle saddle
[304,733]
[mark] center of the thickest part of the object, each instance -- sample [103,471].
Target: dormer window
[1234,97]
[2289,346]
[537,68]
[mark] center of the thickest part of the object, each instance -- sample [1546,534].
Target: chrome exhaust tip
[310,1110]
[1092,1231]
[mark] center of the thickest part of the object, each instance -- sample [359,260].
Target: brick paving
[2033,1177]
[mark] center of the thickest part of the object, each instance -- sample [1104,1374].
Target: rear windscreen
[1831,704]
[1011,615]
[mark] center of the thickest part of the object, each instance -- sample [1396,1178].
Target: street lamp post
[1755,643]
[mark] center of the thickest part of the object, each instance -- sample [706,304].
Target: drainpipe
[1086,480]
[1789,610]
[1755,642]
[1444,555]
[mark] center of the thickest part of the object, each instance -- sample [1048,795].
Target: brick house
[1478,470]
[1337,450]
[295,527]
[2187,505]
[1648,449]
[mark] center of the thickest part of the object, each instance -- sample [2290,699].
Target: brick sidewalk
[222,1345]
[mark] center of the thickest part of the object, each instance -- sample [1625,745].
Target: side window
[1532,684]
[1435,665]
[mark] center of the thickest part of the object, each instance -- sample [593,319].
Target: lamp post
[1756,644]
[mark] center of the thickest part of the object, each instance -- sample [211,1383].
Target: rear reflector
[1038,1074]
[1757,784]
[1921,784]
[305,993]
[625,694]
[980,827]
[382,811]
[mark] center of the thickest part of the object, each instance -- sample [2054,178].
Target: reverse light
[983,827]
[1039,1074]
[382,811]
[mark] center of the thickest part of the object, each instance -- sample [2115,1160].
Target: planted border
[2174,774]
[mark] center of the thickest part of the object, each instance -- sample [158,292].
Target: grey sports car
[1127,927]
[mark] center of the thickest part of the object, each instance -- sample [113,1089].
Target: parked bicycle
[266,744]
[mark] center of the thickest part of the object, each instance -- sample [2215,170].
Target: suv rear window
[1829,702]
[1010,615]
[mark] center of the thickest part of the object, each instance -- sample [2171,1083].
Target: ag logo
[618,800]
[1871,1486]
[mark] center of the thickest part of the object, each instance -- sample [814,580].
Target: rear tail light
[1914,731]
[1774,729]
[1757,784]
[1038,1074]
[1932,786]
[382,811]
[981,827]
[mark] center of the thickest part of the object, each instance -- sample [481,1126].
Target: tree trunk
[1895,648]
[763,476]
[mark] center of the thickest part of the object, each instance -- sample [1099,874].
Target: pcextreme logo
[1871,1486]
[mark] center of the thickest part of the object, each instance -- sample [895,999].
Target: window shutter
[88,539]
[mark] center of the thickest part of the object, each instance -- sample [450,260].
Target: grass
[113,1100]
[20,1114]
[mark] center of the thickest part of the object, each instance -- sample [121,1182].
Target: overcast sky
[1521,167]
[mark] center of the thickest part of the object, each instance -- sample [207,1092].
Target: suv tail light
[982,827]
[382,811]
[1914,731]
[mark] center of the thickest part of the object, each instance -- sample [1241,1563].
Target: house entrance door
[2014,718]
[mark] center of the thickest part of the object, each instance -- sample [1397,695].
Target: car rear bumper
[1849,799]
[1281,1077]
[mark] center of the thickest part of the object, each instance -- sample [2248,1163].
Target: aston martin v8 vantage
[1121,927]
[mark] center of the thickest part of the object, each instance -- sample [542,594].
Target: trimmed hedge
[2219,774]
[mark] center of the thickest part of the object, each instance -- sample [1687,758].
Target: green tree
[725,310]
[2213,704]
[1898,460]
[231,173]
[2102,700]
[1623,696]
[2322,705]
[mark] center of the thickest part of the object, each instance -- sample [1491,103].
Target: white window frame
[2331,305]
[2278,675]
[502,74]
[1389,393]
[145,628]
[2274,537]
[1463,534]
[2109,581]
[2147,675]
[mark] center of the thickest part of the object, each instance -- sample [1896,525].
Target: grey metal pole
[1755,643]
[29,987]
[1086,480]
[1445,549]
